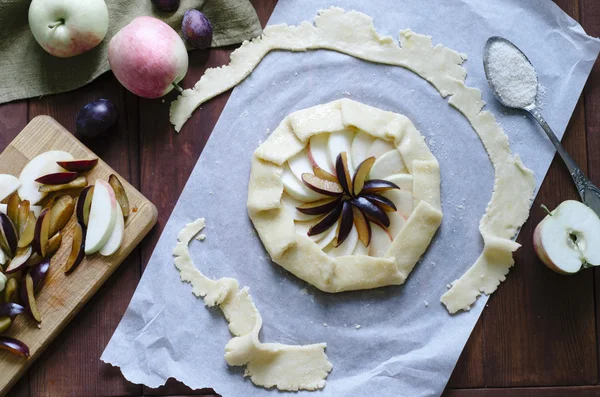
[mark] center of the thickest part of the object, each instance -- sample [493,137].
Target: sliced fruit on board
[403,181]
[347,247]
[8,185]
[380,241]
[41,165]
[77,249]
[120,194]
[103,215]
[10,291]
[39,272]
[318,153]
[78,165]
[12,209]
[360,146]
[296,188]
[18,262]
[8,235]
[77,183]
[11,309]
[115,240]
[35,208]
[379,147]
[27,292]
[300,164]
[290,204]
[341,141]
[40,238]
[389,164]
[27,230]
[568,238]
[54,244]
[22,216]
[14,346]
[84,202]
[61,213]
[57,178]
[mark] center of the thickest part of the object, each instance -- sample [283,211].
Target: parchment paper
[407,344]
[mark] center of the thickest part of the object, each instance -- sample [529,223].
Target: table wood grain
[537,337]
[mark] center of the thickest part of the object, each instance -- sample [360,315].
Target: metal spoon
[590,194]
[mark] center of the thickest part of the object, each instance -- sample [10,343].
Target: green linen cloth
[26,70]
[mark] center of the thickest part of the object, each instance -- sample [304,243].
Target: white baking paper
[407,344]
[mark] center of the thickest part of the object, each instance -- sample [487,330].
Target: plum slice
[61,213]
[79,182]
[12,208]
[77,249]
[40,239]
[57,178]
[321,173]
[321,186]
[78,165]
[53,244]
[84,202]
[362,172]
[343,173]
[14,346]
[5,323]
[39,272]
[378,186]
[27,292]
[11,289]
[319,207]
[120,194]
[11,309]
[18,262]
[8,235]
[345,224]
[363,227]
[372,211]
[27,230]
[382,202]
[325,223]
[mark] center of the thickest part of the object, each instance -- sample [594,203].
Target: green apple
[65,28]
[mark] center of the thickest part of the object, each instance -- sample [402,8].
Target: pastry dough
[286,367]
[344,268]
[353,33]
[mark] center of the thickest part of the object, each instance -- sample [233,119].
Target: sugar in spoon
[514,82]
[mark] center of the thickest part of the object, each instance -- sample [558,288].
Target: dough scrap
[354,34]
[287,367]
[290,247]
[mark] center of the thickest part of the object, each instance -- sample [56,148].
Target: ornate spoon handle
[589,193]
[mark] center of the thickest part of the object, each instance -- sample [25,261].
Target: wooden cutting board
[62,296]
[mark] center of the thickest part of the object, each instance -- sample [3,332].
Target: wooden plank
[468,372]
[590,20]
[63,296]
[74,349]
[575,391]
[13,118]
[539,325]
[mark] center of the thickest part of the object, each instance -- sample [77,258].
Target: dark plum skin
[166,5]
[197,29]
[96,118]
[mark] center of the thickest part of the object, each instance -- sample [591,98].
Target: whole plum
[96,118]
[197,29]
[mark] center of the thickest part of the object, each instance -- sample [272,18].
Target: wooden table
[537,337]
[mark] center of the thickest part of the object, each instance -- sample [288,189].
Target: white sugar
[512,75]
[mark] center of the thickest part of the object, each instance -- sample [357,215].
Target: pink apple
[66,28]
[148,57]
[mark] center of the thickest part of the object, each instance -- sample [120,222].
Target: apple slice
[348,246]
[397,222]
[77,249]
[296,188]
[79,182]
[21,257]
[568,238]
[103,214]
[360,249]
[379,148]
[57,178]
[2,257]
[61,213]
[380,241]
[116,238]
[300,164]
[120,194]
[402,199]
[40,238]
[341,141]
[318,153]
[8,235]
[84,202]
[403,181]
[78,165]
[41,165]
[360,146]
[291,203]
[8,185]
[389,164]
